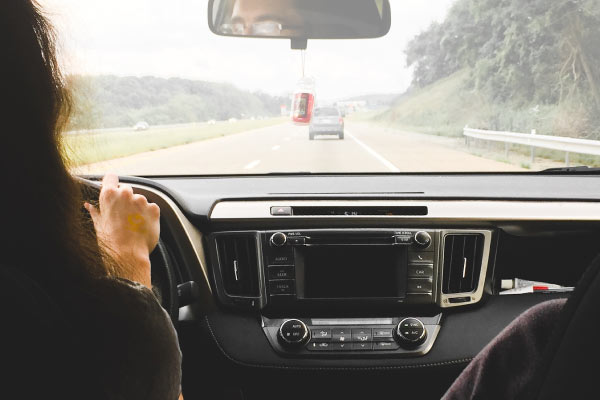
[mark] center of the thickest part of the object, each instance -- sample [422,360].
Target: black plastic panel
[198,195]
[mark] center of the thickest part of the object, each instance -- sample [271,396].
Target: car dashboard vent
[238,260]
[463,254]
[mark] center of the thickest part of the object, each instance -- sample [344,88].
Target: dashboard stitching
[413,366]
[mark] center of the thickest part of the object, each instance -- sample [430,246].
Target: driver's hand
[127,226]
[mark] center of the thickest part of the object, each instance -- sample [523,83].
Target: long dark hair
[44,229]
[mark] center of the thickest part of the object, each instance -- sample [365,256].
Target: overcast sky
[172,39]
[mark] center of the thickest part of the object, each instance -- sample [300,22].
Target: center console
[350,292]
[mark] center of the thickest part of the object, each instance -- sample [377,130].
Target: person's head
[40,205]
[267,17]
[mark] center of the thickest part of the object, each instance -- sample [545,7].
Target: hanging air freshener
[303,100]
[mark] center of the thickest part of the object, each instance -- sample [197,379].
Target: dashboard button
[341,335]
[421,257]
[319,346]
[419,286]
[385,346]
[321,334]
[361,335]
[283,210]
[411,331]
[296,241]
[362,346]
[281,272]
[282,258]
[403,239]
[293,332]
[282,287]
[341,346]
[420,271]
[280,299]
[423,239]
[278,239]
[382,333]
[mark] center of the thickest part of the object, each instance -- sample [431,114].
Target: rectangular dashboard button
[385,346]
[403,239]
[420,271]
[382,333]
[341,335]
[341,346]
[296,241]
[281,272]
[282,210]
[282,258]
[419,286]
[321,334]
[361,335]
[362,346]
[420,257]
[282,287]
[319,346]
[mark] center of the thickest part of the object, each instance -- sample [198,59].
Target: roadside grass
[438,109]
[521,154]
[445,107]
[86,148]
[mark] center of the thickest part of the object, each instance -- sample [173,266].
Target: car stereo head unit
[351,270]
[360,267]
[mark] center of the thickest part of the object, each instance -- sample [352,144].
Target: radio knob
[423,239]
[293,332]
[411,332]
[278,239]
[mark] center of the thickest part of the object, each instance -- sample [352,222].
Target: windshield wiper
[578,169]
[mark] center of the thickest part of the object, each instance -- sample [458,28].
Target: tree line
[111,101]
[520,54]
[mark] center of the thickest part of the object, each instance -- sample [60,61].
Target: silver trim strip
[461,210]
[475,296]
[352,321]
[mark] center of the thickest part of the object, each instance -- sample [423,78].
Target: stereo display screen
[354,271]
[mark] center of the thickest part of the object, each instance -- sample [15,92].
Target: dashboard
[360,282]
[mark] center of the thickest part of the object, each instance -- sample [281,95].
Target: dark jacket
[109,339]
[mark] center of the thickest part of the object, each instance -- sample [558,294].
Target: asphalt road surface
[286,148]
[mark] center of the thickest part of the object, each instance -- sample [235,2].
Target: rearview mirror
[300,20]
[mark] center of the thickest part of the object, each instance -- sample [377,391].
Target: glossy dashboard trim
[464,210]
[193,236]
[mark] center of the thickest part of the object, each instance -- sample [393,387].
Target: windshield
[455,86]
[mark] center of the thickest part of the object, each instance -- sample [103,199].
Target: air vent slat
[462,263]
[238,260]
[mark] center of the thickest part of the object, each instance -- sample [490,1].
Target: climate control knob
[422,239]
[411,332]
[293,332]
[278,239]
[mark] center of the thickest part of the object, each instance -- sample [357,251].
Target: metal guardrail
[566,144]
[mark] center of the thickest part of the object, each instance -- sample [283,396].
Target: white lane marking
[252,164]
[372,152]
[276,147]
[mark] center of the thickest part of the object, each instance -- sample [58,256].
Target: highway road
[286,148]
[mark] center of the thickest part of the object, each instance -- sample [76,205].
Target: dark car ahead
[326,121]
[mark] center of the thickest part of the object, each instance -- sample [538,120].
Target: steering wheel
[164,283]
